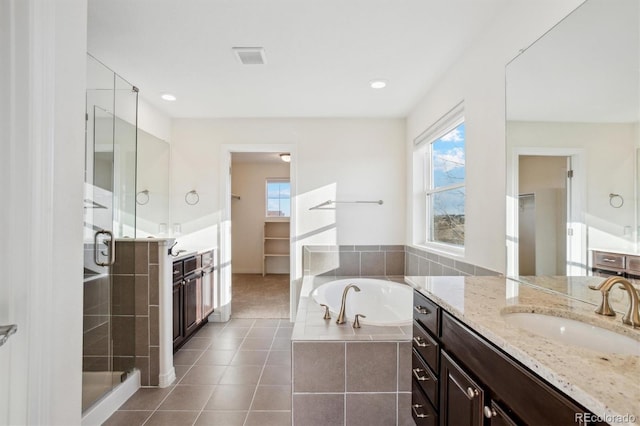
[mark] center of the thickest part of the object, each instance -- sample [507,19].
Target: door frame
[576,218]
[224,243]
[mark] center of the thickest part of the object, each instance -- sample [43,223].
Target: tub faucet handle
[356,322]
[327,315]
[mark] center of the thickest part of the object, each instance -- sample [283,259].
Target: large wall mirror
[572,111]
[152,186]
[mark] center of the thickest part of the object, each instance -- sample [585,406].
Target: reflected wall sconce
[616,201]
[142,197]
[285,157]
[192,198]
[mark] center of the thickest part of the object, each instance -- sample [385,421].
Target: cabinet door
[191,303]
[207,292]
[177,314]
[461,398]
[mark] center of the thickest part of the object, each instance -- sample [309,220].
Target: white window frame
[266,196]
[423,148]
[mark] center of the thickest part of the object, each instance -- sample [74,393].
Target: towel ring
[616,201]
[192,198]
[142,197]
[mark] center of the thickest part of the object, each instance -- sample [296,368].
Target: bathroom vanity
[472,366]
[192,291]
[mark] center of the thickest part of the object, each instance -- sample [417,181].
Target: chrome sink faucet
[632,317]
[341,315]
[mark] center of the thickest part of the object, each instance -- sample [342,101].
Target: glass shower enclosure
[109,215]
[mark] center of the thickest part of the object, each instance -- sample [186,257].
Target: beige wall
[248,214]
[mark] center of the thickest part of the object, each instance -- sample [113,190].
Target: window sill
[443,249]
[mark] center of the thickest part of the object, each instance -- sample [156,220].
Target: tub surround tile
[372,263]
[318,409]
[394,263]
[371,409]
[318,366]
[366,373]
[349,264]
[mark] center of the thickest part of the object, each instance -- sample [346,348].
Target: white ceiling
[321,54]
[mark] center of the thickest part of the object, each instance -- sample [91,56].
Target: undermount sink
[574,333]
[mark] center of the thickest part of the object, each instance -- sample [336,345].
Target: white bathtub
[383,302]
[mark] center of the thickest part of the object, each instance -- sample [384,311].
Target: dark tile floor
[234,373]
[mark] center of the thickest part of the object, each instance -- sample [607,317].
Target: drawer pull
[421,310]
[416,373]
[419,341]
[489,412]
[415,407]
[609,260]
[472,393]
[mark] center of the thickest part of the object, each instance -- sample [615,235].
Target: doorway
[260,234]
[548,213]
[544,199]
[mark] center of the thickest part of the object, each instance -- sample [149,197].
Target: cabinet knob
[489,412]
[472,392]
[421,310]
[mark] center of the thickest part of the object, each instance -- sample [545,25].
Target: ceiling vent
[250,55]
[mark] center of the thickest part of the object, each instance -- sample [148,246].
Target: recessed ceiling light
[168,97]
[285,157]
[378,84]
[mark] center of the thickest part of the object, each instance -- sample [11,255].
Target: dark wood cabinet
[178,329]
[192,308]
[463,379]
[193,294]
[462,397]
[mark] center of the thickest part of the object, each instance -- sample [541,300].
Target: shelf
[275,243]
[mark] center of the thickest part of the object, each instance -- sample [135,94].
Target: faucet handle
[327,315]
[356,322]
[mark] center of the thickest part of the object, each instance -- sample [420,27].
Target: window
[445,192]
[278,198]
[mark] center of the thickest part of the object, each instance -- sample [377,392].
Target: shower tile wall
[134,320]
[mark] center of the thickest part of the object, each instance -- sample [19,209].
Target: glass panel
[108,329]
[448,158]
[152,195]
[125,142]
[447,216]
[278,198]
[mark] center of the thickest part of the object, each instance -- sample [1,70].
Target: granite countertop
[607,384]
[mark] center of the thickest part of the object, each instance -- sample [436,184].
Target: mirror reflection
[572,110]
[152,186]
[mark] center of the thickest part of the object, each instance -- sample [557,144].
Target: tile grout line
[255,391]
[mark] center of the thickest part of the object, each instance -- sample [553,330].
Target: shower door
[109,214]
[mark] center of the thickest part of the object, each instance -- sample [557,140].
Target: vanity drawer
[426,313]
[427,347]
[177,271]
[190,265]
[608,260]
[421,409]
[207,259]
[633,265]
[425,378]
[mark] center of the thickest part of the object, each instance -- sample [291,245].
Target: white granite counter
[605,383]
